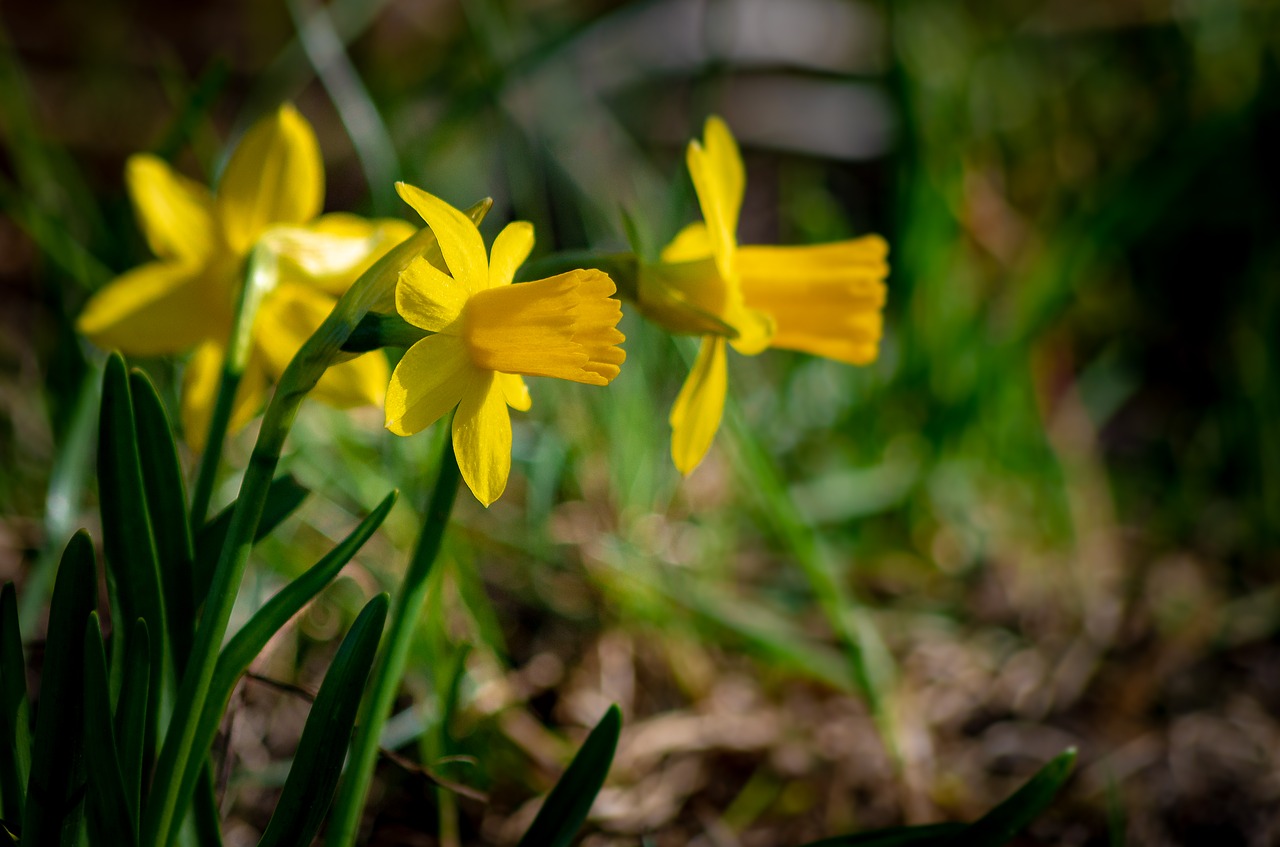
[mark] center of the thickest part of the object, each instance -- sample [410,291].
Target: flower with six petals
[823,299]
[487,333]
[270,192]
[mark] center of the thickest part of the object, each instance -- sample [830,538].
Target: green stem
[208,469]
[344,820]
[260,273]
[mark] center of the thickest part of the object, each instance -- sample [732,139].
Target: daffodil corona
[824,299]
[271,191]
[488,333]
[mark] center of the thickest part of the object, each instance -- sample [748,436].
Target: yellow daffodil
[488,333]
[823,299]
[271,191]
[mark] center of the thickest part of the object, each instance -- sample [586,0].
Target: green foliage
[15,732]
[56,790]
[318,762]
[113,809]
[566,807]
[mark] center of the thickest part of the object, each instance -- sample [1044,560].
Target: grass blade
[55,792]
[131,710]
[15,728]
[127,537]
[113,813]
[1002,823]
[318,763]
[254,635]
[561,816]
[283,498]
[167,508]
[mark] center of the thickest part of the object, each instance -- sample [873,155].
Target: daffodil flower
[487,333]
[823,299]
[271,191]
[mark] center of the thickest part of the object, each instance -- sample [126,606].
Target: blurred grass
[1056,494]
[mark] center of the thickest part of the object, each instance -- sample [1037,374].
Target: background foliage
[1056,496]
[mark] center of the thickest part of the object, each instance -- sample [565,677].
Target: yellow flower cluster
[482,333]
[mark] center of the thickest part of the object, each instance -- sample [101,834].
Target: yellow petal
[286,319]
[275,176]
[331,252]
[200,386]
[460,241]
[510,249]
[157,308]
[429,298]
[175,213]
[564,327]
[826,299]
[515,391]
[429,381]
[695,417]
[755,329]
[691,244]
[719,180]
[482,439]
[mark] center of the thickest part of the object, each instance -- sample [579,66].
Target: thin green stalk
[344,821]
[165,812]
[260,272]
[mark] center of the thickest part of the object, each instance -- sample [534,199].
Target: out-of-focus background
[1054,500]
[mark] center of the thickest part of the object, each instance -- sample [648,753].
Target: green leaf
[167,509]
[127,538]
[1002,823]
[275,613]
[131,710]
[308,791]
[15,726]
[930,835]
[113,814]
[566,807]
[55,791]
[283,497]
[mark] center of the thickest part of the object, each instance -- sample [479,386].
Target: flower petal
[175,213]
[691,244]
[460,241]
[515,391]
[286,319]
[157,308]
[482,439]
[695,417]
[510,249]
[429,381]
[275,176]
[719,180]
[429,298]
[332,251]
[200,386]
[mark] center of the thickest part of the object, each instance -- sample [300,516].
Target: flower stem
[260,273]
[344,820]
[203,491]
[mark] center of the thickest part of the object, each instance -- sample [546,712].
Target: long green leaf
[283,497]
[127,538]
[930,835]
[275,613]
[113,814]
[566,807]
[167,508]
[308,791]
[55,791]
[1001,824]
[131,710]
[15,727]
